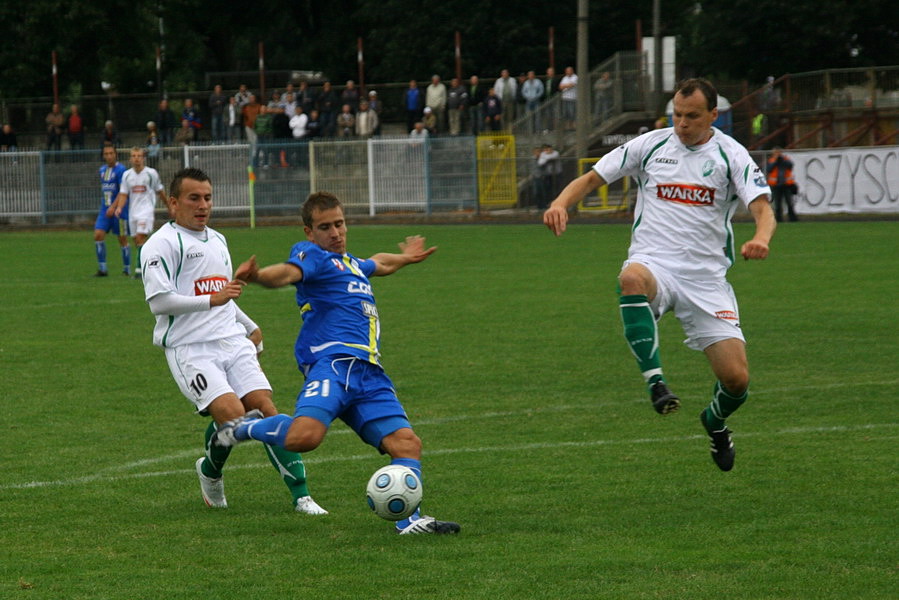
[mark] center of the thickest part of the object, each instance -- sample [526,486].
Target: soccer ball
[394,492]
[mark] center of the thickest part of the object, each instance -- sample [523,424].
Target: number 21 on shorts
[317,388]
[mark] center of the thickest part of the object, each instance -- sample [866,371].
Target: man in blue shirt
[338,348]
[110,179]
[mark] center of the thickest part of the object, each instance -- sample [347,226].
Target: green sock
[642,335]
[722,406]
[291,468]
[215,455]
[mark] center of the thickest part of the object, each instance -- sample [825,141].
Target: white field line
[105,474]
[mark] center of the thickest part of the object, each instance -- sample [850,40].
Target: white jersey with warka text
[177,260]
[686,197]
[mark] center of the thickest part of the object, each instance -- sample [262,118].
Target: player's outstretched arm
[272,276]
[765,224]
[556,216]
[413,250]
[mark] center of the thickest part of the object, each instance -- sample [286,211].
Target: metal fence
[372,177]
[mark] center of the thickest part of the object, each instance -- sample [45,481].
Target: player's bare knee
[736,382]
[304,435]
[635,279]
[402,443]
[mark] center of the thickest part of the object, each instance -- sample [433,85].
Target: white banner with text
[847,180]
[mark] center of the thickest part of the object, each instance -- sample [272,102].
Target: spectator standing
[328,104]
[234,120]
[429,119]
[375,105]
[192,115]
[75,128]
[166,122]
[366,120]
[550,87]
[550,164]
[153,145]
[314,125]
[475,105]
[110,135]
[350,96]
[56,124]
[506,89]
[782,184]
[263,127]
[242,96]
[532,91]
[412,104]
[305,97]
[346,122]
[250,112]
[8,140]
[185,135]
[568,89]
[289,104]
[456,104]
[604,100]
[298,123]
[435,97]
[281,132]
[218,102]
[493,111]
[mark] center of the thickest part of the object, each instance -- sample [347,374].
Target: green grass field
[507,351]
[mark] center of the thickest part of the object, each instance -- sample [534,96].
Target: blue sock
[126,258]
[270,430]
[101,255]
[415,465]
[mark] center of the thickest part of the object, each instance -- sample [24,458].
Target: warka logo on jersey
[685,193]
[209,285]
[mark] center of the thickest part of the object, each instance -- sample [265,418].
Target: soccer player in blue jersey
[338,348]
[110,177]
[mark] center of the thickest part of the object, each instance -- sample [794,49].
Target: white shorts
[204,371]
[707,309]
[141,220]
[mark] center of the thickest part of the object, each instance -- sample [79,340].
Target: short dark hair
[187,173]
[318,201]
[686,87]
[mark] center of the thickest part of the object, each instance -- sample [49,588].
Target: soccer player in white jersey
[690,178]
[188,285]
[140,188]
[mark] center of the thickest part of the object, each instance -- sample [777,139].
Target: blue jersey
[110,180]
[337,306]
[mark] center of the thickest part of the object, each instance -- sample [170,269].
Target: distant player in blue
[110,178]
[338,349]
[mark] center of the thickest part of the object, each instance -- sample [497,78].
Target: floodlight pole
[55,78]
[657,92]
[583,85]
[261,73]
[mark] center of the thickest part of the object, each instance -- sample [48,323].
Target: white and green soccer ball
[394,492]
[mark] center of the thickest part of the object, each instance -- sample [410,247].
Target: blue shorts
[357,392]
[113,224]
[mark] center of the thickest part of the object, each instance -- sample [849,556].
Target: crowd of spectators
[303,112]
